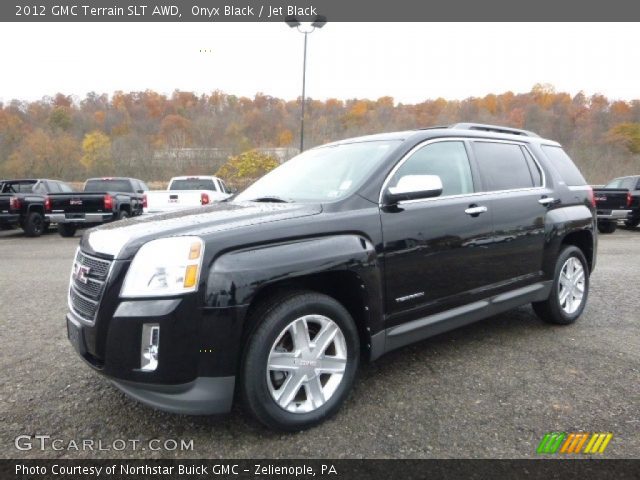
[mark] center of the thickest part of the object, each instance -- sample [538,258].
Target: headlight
[168,266]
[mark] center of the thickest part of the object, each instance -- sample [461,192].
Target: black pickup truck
[343,253]
[618,200]
[25,203]
[102,200]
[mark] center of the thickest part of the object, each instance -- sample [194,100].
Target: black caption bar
[320,469]
[334,10]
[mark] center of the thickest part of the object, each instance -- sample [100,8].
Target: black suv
[343,253]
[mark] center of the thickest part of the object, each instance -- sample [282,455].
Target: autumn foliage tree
[127,132]
[96,153]
[243,169]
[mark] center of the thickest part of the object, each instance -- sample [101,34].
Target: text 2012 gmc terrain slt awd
[343,253]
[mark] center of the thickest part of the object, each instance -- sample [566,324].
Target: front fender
[235,277]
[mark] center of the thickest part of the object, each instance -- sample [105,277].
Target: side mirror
[413,187]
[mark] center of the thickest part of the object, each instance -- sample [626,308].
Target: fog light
[149,347]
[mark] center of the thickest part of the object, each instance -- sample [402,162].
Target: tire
[632,223]
[67,230]
[607,227]
[34,224]
[553,310]
[123,215]
[319,395]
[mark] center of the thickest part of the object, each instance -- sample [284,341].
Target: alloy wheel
[306,363]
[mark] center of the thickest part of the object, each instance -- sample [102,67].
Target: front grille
[87,284]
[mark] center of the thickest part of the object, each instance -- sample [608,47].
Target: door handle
[475,210]
[546,201]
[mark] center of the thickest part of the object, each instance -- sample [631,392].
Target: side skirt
[416,330]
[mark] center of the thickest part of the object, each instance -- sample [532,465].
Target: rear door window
[503,166]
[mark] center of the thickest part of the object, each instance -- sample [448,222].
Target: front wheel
[569,291]
[607,227]
[300,362]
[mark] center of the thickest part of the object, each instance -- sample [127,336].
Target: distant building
[210,158]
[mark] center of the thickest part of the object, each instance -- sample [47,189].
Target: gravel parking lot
[492,389]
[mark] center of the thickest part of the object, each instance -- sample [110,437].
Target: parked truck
[102,200]
[187,192]
[618,200]
[25,203]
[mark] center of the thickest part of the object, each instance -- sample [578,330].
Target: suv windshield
[323,174]
[108,185]
[193,184]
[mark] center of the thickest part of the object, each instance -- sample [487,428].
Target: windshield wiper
[270,199]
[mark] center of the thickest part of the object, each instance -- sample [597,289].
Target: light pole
[293,22]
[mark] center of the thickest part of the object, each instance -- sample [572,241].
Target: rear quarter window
[564,165]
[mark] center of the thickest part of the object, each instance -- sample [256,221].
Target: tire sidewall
[31,228]
[565,254]
[254,380]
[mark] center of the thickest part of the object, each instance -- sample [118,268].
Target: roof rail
[494,128]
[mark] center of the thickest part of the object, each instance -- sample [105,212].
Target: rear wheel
[34,224]
[569,291]
[123,214]
[607,227]
[67,229]
[300,362]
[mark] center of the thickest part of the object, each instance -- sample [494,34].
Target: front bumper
[86,218]
[613,214]
[197,355]
[203,396]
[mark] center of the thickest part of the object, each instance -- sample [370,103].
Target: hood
[110,239]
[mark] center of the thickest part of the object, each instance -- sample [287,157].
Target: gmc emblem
[75,202]
[80,272]
[600,198]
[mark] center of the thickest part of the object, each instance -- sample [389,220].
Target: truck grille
[86,287]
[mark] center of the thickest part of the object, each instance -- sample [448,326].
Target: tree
[628,134]
[242,169]
[96,149]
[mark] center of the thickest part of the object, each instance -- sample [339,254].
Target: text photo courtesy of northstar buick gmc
[346,252]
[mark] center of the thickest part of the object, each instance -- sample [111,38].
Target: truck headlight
[168,266]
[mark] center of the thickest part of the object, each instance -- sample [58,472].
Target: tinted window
[18,187]
[108,185]
[40,187]
[503,166]
[193,184]
[565,166]
[65,188]
[448,160]
[534,169]
[52,187]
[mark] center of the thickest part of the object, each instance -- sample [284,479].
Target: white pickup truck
[186,192]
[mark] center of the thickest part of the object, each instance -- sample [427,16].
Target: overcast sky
[410,62]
